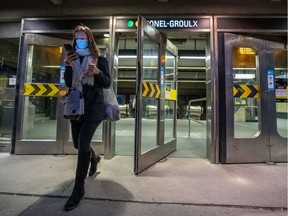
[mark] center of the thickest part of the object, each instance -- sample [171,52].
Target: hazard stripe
[44,89]
[246,91]
[150,90]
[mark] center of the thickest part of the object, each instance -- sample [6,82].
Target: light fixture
[244,76]
[247,51]
[106,35]
[192,57]
[57,2]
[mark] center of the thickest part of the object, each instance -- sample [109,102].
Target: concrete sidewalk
[40,185]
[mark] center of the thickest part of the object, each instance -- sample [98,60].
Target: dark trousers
[82,134]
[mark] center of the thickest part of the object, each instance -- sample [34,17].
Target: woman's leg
[84,136]
[75,129]
[95,159]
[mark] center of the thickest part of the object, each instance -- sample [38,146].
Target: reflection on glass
[169,121]
[8,68]
[246,119]
[39,112]
[149,105]
[97,135]
[280,62]
[170,84]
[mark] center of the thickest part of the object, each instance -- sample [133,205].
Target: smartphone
[69,48]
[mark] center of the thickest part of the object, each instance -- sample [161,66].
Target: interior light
[192,57]
[247,51]
[127,56]
[106,35]
[168,57]
[244,76]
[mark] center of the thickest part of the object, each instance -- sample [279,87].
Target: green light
[130,23]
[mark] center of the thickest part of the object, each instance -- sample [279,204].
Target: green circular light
[130,23]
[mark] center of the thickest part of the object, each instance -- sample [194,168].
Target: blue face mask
[81,44]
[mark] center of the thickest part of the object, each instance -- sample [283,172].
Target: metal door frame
[28,146]
[256,149]
[145,160]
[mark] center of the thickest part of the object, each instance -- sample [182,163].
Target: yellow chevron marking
[257,88]
[152,90]
[54,90]
[42,90]
[235,90]
[246,92]
[144,93]
[158,91]
[28,89]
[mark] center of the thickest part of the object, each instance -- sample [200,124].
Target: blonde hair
[95,52]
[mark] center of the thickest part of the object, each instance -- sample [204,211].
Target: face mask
[81,44]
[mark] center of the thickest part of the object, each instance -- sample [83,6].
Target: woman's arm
[103,78]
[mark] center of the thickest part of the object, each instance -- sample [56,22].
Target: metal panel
[10,30]
[242,150]
[64,25]
[255,149]
[252,23]
[277,144]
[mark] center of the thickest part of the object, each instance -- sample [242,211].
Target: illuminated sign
[183,23]
[174,23]
[244,76]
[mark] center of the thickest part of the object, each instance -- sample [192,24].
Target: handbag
[73,105]
[112,109]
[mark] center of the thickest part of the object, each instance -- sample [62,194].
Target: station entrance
[156,118]
[166,82]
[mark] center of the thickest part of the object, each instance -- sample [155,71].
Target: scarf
[80,77]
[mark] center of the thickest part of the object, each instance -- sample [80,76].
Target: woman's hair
[95,52]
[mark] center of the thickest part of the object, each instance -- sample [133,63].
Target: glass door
[169,81]
[256,99]
[41,126]
[278,103]
[155,117]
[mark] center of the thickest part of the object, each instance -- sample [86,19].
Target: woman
[87,72]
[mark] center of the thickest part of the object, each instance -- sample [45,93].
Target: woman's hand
[93,70]
[70,59]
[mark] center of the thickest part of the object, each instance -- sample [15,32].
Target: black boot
[95,159]
[81,173]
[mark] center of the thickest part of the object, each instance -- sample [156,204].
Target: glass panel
[149,105]
[170,84]
[125,133]
[8,69]
[126,89]
[39,114]
[96,137]
[169,121]
[280,62]
[98,134]
[246,122]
